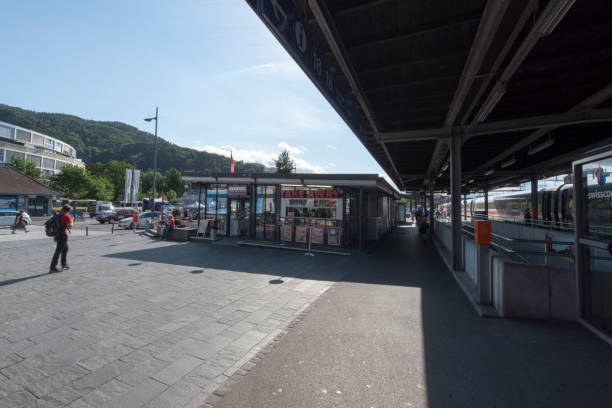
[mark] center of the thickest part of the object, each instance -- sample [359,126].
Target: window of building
[48,163]
[1,155]
[10,154]
[35,159]
[49,143]
[216,206]
[24,136]
[265,213]
[58,146]
[59,164]
[37,140]
[7,132]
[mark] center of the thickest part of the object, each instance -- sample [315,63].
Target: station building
[336,210]
[48,153]
[20,192]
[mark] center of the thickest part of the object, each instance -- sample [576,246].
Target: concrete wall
[534,291]
[471,259]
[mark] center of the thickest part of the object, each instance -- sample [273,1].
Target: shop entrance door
[593,199]
[240,209]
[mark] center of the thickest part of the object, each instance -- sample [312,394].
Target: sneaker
[65,267]
[54,270]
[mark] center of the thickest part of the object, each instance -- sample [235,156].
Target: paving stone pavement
[137,322]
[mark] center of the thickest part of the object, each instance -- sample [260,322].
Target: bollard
[112,228]
[133,227]
[309,253]
[87,230]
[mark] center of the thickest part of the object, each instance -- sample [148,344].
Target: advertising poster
[301,233]
[318,235]
[286,232]
[128,185]
[333,236]
[8,203]
[136,186]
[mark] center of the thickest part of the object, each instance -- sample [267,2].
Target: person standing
[20,222]
[61,247]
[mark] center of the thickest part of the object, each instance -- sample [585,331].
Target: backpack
[53,226]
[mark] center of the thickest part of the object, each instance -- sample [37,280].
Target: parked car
[143,221]
[107,216]
[7,218]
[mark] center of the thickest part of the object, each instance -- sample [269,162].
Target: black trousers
[60,249]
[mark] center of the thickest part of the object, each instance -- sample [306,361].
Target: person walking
[61,240]
[20,222]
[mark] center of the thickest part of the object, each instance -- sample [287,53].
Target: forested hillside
[104,141]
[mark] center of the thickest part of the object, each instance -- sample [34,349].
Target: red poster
[318,235]
[301,233]
[286,232]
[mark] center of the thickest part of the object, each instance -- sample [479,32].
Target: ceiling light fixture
[508,162]
[551,20]
[538,148]
[491,101]
[489,172]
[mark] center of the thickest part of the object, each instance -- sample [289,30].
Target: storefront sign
[8,203]
[237,190]
[311,193]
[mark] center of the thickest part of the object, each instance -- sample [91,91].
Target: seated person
[170,225]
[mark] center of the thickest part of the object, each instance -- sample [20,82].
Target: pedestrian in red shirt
[170,225]
[61,247]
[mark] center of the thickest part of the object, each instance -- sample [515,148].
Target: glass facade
[216,207]
[596,243]
[312,214]
[265,213]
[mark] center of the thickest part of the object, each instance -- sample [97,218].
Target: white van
[103,207]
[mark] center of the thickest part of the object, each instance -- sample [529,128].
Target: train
[555,205]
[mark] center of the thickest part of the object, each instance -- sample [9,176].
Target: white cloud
[251,156]
[286,69]
[291,149]
[331,147]
[265,158]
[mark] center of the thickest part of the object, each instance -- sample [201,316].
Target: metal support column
[431,208]
[486,201]
[534,198]
[455,178]
[465,207]
[199,204]
[361,218]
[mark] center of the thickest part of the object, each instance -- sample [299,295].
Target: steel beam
[455,173]
[328,29]
[505,126]
[534,197]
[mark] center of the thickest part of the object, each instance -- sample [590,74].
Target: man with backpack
[59,226]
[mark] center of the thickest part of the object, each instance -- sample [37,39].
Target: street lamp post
[154,159]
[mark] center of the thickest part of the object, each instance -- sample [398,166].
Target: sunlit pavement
[136,321]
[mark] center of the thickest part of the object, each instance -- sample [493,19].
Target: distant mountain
[103,141]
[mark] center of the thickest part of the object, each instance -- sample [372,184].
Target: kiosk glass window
[312,213]
[265,213]
[216,206]
[596,243]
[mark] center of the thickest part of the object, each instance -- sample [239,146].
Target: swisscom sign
[281,17]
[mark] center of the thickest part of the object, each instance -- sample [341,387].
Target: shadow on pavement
[468,361]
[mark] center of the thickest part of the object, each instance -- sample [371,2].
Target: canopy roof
[511,77]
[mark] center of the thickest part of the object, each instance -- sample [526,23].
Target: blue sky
[220,79]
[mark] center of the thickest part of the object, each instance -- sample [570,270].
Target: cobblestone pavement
[137,322]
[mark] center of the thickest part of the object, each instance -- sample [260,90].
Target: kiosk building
[345,210]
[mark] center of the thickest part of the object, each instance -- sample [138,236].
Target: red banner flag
[163,197]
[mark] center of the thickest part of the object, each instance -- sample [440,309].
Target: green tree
[174,181]
[100,188]
[284,164]
[73,181]
[170,194]
[26,167]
